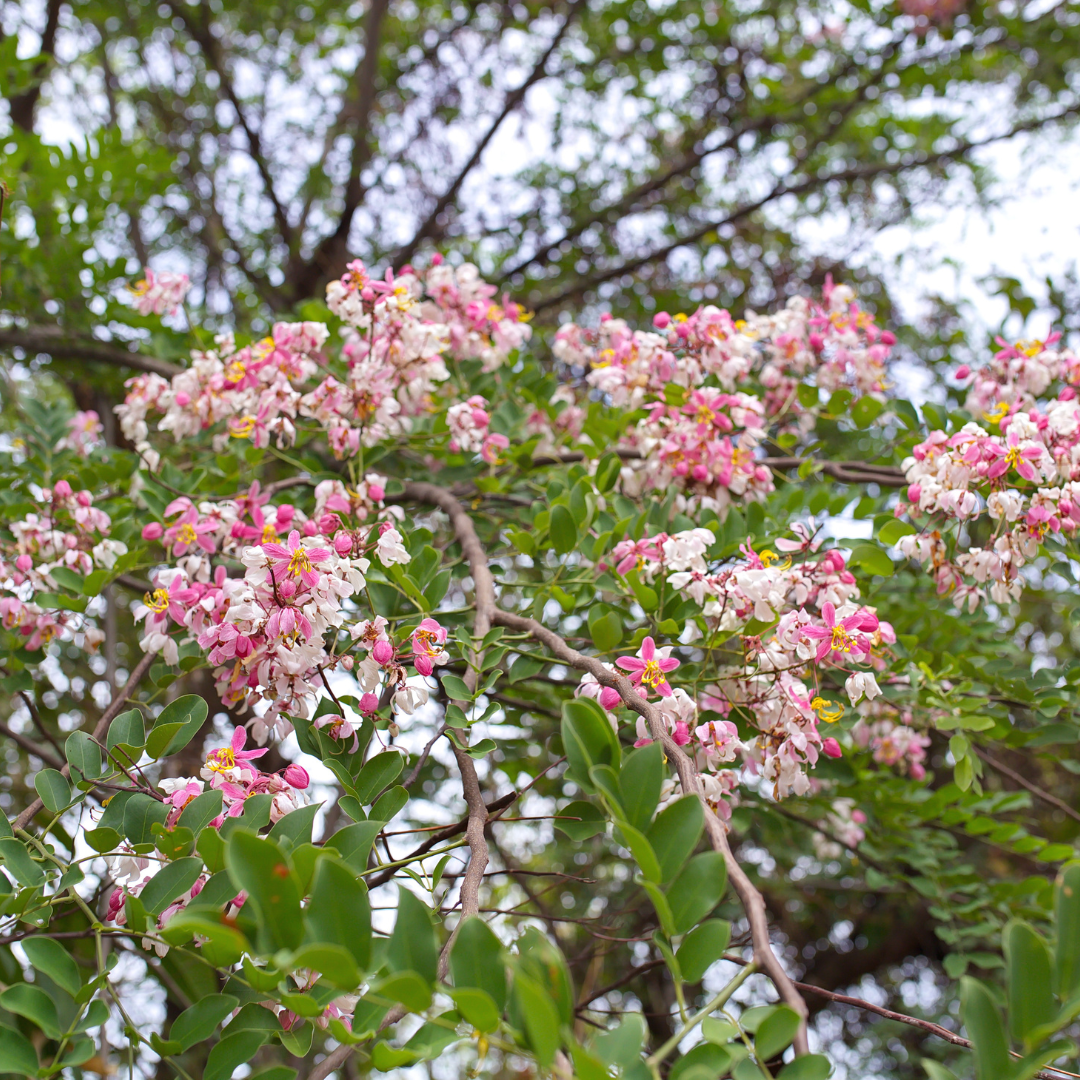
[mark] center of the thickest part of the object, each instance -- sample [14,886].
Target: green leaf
[776,1032]
[476,960]
[334,962]
[983,1021]
[83,754]
[545,963]
[55,961]
[386,1058]
[893,530]
[606,629]
[201,811]
[161,735]
[873,559]
[702,947]
[591,820]
[540,1018]
[67,579]
[140,812]
[189,712]
[866,410]
[456,689]
[476,1006]
[697,889]
[197,1024]
[353,843]
[588,739]
[53,789]
[380,772]
[392,801]
[1028,979]
[168,883]
[258,865]
[295,827]
[17,1054]
[224,945]
[126,730]
[30,1001]
[622,1044]
[642,850]
[563,530]
[813,1067]
[102,840]
[660,903]
[607,472]
[17,859]
[675,833]
[232,1052]
[1067,920]
[412,945]
[339,912]
[640,780]
[704,1062]
[409,988]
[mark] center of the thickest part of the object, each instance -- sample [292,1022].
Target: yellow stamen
[998,413]
[769,557]
[652,675]
[187,534]
[842,641]
[158,601]
[269,534]
[221,760]
[299,563]
[829,711]
[242,428]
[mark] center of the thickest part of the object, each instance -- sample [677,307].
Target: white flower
[390,547]
[862,682]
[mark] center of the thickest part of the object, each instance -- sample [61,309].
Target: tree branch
[53,340]
[513,100]
[858,172]
[100,728]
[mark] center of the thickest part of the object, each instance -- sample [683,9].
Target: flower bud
[310,528]
[369,703]
[84,498]
[376,492]
[62,490]
[296,775]
[832,748]
[962,372]
[382,652]
[24,563]
[153,531]
[914,493]
[343,544]
[610,698]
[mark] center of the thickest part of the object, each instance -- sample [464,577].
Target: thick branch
[333,250]
[32,747]
[21,106]
[1035,790]
[752,900]
[53,340]
[100,728]
[513,100]
[866,171]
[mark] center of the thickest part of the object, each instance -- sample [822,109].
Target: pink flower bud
[609,698]
[661,320]
[24,563]
[84,498]
[286,588]
[367,293]
[376,492]
[62,490]
[858,817]
[605,316]
[369,703]
[817,342]
[153,531]
[914,493]
[310,528]
[296,775]
[329,524]
[962,372]
[831,747]
[1068,394]
[343,544]
[183,399]
[436,259]
[382,652]
[888,337]
[347,662]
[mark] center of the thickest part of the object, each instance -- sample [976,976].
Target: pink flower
[296,775]
[839,637]
[427,641]
[492,445]
[232,761]
[189,532]
[295,560]
[650,667]
[1016,455]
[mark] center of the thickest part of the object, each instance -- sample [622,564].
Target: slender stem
[716,1003]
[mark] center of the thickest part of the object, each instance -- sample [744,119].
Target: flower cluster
[1021,472]
[68,535]
[84,434]
[820,633]
[159,292]
[737,377]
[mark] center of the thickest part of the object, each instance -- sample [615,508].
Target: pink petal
[828,613]
[648,649]
[630,663]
